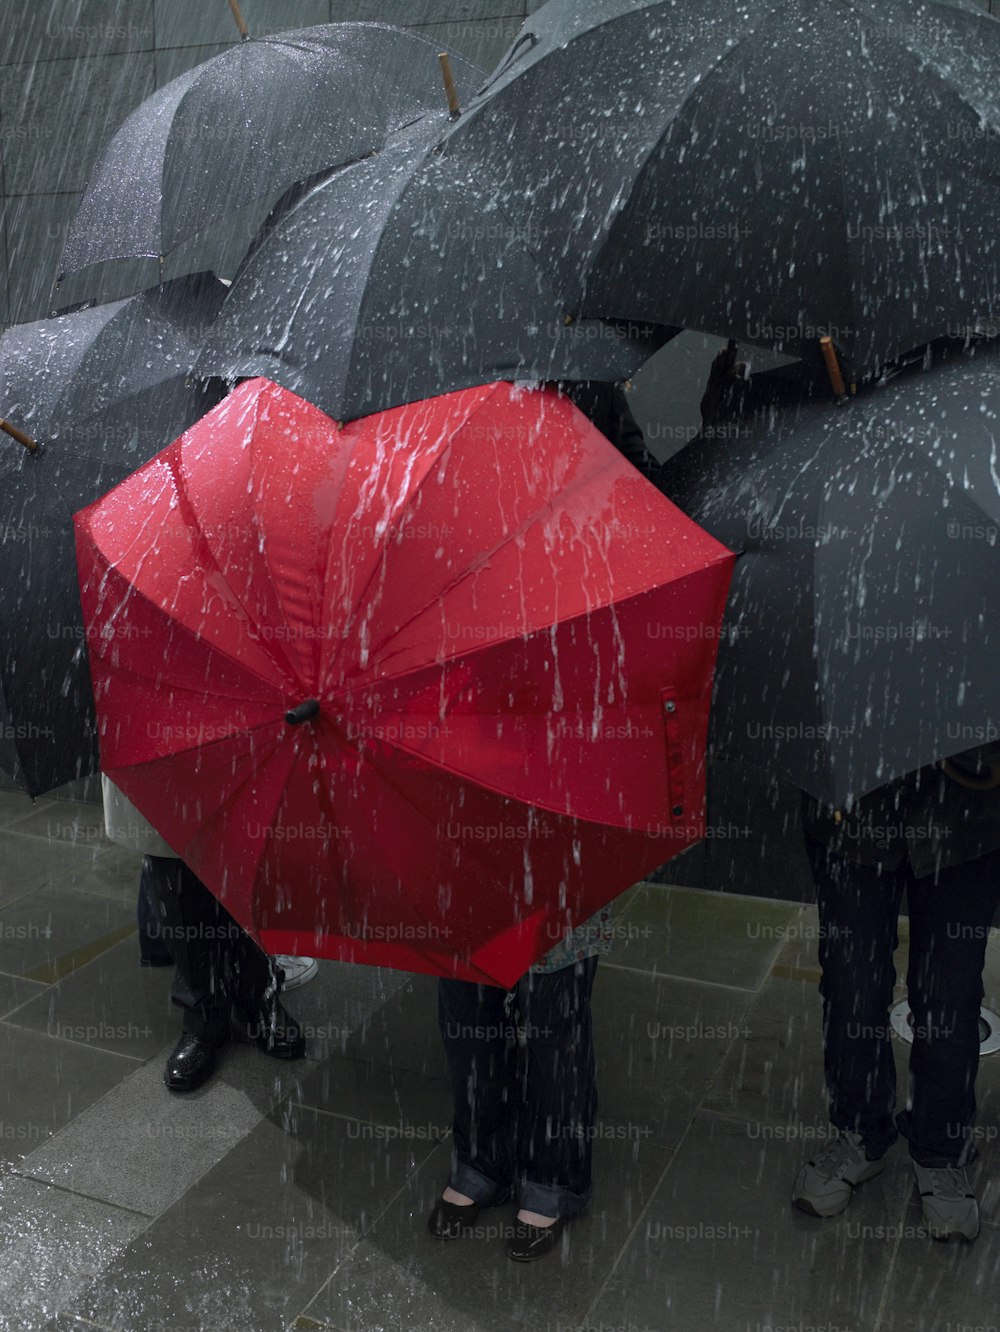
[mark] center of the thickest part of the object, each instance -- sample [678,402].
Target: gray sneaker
[825,1183]
[949,1202]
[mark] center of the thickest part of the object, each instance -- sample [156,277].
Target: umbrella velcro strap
[675,753]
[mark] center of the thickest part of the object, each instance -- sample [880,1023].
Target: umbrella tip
[307,711]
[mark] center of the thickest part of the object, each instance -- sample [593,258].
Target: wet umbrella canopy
[401,278]
[769,171]
[57,375]
[246,124]
[404,705]
[864,617]
[101,391]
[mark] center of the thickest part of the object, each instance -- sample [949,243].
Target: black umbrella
[399,278]
[864,613]
[89,396]
[241,127]
[770,172]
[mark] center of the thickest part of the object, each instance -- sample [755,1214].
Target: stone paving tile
[48,1083]
[27,863]
[660,1043]
[703,936]
[15,991]
[937,1286]
[52,1246]
[722,1248]
[15,807]
[252,1242]
[400,1277]
[54,929]
[339,1001]
[142,1147]
[773,1075]
[352,1089]
[111,1003]
[403,1033]
[72,821]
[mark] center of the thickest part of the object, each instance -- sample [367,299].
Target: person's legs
[858,912]
[153,952]
[950,919]
[558,1102]
[480,1046]
[217,966]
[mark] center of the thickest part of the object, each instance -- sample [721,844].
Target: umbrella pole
[30,444]
[451,92]
[240,21]
[833,367]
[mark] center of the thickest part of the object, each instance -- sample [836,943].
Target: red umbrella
[423,691]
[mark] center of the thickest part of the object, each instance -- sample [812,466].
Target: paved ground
[294,1196]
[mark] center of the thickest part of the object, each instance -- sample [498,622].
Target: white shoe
[825,1184]
[298,970]
[948,1202]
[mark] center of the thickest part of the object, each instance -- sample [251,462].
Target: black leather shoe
[191,1062]
[448,1220]
[529,1243]
[274,1030]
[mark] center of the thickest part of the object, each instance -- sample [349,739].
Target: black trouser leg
[858,911]
[950,919]
[217,963]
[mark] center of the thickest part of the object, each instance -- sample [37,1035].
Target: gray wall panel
[410,13]
[4,282]
[200,22]
[60,113]
[177,60]
[484,41]
[57,29]
[37,226]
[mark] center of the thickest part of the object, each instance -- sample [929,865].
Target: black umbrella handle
[307,711]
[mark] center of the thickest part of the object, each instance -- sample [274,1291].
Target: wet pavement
[294,1195]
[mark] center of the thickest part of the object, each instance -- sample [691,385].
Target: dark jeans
[523,1124]
[218,964]
[950,916]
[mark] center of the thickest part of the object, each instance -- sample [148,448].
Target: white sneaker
[826,1182]
[298,970]
[948,1201]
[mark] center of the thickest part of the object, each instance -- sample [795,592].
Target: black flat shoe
[448,1220]
[529,1243]
[191,1062]
[275,1031]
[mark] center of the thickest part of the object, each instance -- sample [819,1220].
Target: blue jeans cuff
[475,1185]
[550,1200]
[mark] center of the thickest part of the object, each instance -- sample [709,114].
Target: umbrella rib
[132,590]
[281,662]
[487,882]
[484,559]
[402,510]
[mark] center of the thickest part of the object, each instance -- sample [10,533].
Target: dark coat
[606,406]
